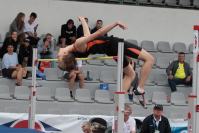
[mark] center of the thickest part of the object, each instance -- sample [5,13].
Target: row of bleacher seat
[154,94]
[162,3]
[163,46]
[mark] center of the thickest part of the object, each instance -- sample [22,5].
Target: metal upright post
[32,98]
[120,94]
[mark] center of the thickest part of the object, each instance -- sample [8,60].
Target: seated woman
[10,67]
[95,44]
[45,47]
[11,39]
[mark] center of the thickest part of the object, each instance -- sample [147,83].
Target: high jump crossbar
[88,58]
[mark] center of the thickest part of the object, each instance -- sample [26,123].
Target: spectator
[68,31]
[45,47]
[12,39]
[129,122]
[18,24]
[99,25]
[86,127]
[25,53]
[179,72]
[98,125]
[62,43]
[156,123]
[75,74]
[10,67]
[31,28]
[80,31]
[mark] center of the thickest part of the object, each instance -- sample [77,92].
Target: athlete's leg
[136,52]
[129,75]
[146,68]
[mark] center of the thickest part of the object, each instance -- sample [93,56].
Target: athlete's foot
[139,91]
[140,95]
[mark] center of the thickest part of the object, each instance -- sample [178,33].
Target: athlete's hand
[122,25]
[81,18]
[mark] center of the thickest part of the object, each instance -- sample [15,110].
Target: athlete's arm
[86,30]
[81,43]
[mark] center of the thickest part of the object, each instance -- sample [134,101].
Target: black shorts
[8,72]
[109,46]
[130,50]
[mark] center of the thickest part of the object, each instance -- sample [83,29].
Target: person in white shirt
[31,26]
[129,122]
[10,67]
[30,29]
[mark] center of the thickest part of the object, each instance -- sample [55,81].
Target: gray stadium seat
[191,48]
[4,92]
[191,63]
[163,60]
[171,3]
[163,46]
[186,90]
[143,2]
[102,96]
[92,88]
[161,78]
[51,74]
[44,94]
[151,78]
[179,47]
[108,76]
[157,2]
[83,95]
[96,62]
[63,95]
[160,97]
[185,3]
[22,92]
[110,62]
[178,98]
[196,3]
[135,42]
[148,45]
[112,89]
[188,58]
[129,1]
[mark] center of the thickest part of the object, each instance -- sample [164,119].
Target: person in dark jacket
[156,122]
[68,31]
[179,72]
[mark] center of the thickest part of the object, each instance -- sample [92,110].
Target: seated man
[179,72]
[10,67]
[99,25]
